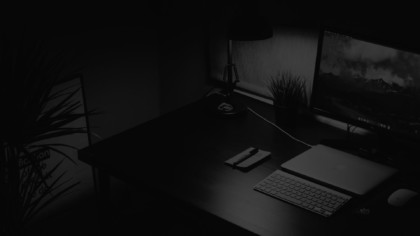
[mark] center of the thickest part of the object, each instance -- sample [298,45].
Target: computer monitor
[367,84]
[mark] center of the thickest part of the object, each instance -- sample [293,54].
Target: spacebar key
[290,199]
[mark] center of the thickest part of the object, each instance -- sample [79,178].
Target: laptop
[339,169]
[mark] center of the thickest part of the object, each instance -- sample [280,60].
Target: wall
[121,78]
[117,54]
[183,55]
[138,62]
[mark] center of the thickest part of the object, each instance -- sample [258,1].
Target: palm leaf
[58,106]
[28,185]
[51,200]
[54,126]
[34,205]
[53,144]
[62,92]
[59,152]
[34,163]
[36,184]
[56,133]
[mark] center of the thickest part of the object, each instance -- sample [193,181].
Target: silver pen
[251,153]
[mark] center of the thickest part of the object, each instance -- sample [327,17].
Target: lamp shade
[247,27]
[248,24]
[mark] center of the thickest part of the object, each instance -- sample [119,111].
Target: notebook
[340,169]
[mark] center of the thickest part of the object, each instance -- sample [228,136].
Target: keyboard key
[302,193]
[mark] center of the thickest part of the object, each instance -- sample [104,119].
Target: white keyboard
[303,193]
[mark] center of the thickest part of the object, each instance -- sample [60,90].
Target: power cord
[283,131]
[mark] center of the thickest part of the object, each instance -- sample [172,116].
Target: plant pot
[286,116]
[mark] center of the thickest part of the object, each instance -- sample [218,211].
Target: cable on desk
[282,130]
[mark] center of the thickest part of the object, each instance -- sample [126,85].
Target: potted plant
[29,123]
[288,92]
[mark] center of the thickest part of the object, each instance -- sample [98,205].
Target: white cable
[271,123]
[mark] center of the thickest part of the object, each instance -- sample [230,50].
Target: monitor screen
[367,84]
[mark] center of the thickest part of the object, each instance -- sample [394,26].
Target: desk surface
[182,155]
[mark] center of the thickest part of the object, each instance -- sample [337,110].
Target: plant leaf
[48,190]
[46,146]
[37,184]
[51,200]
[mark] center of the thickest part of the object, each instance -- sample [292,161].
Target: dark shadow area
[134,212]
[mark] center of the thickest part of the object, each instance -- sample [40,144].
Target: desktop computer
[363,84]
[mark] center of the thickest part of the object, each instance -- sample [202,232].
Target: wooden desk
[182,154]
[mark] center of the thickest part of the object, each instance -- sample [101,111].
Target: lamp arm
[230,70]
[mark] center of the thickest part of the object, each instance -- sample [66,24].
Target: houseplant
[288,92]
[29,124]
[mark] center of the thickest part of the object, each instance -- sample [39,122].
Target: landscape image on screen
[370,83]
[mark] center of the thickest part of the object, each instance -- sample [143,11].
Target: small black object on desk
[224,105]
[246,156]
[248,159]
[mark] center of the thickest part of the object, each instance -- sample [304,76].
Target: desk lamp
[247,26]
